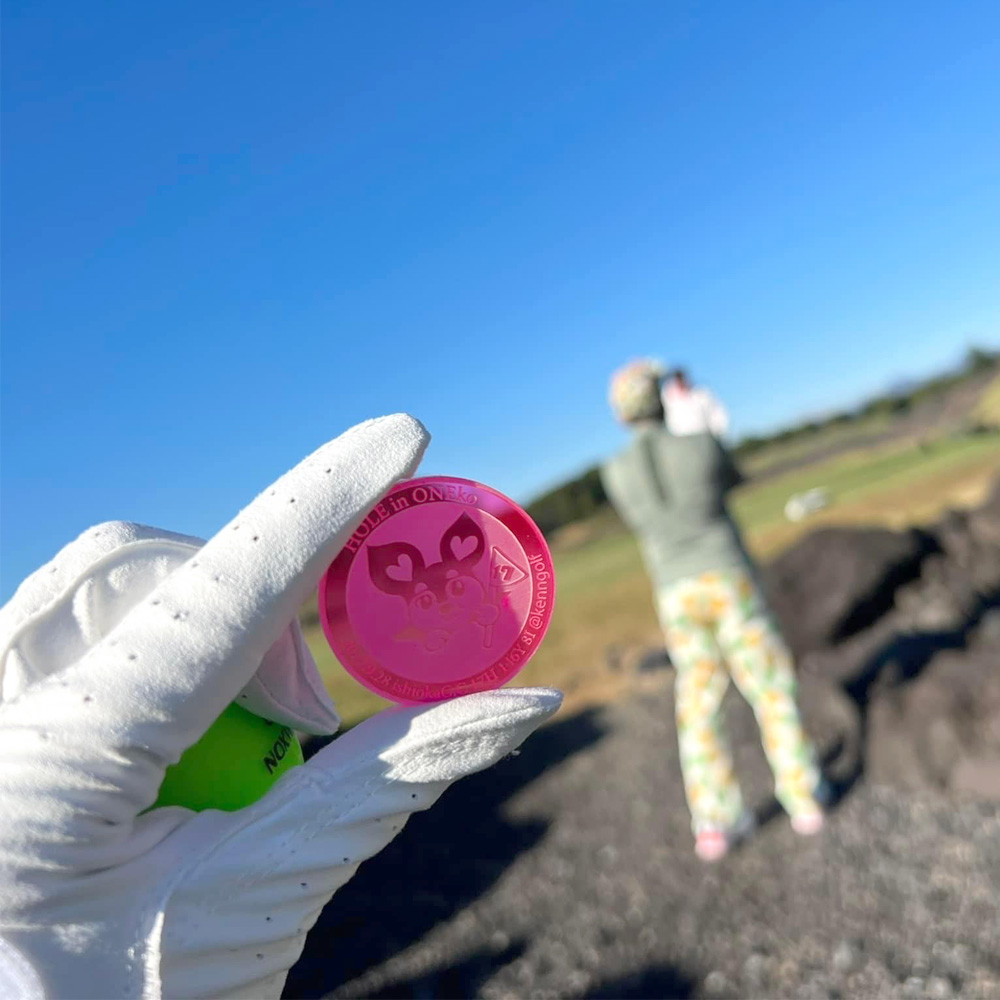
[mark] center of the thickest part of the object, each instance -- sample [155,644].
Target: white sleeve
[716,415]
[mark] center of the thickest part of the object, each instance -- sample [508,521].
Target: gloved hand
[115,658]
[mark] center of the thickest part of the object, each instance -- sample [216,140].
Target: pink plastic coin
[445,588]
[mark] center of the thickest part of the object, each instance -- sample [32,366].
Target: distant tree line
[569,502]
[580,497]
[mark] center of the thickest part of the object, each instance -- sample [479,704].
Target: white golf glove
[116,657]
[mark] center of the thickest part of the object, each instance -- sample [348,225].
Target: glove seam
[40,609]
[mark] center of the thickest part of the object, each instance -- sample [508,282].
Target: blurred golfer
[670,490]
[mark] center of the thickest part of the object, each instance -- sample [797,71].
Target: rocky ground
[567,871]
[908,626]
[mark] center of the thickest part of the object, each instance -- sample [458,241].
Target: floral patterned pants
[717,626]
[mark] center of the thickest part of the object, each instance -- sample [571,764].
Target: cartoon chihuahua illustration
[441,597]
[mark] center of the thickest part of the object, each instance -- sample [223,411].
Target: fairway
[806,445]
[893,485]
[603,603]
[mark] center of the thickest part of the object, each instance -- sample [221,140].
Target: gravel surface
[568,871]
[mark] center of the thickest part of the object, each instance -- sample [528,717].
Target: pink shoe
[711,845]
[808,824]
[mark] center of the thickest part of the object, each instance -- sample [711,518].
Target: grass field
[603,598]
[863,430]
[894,485]
[819,440]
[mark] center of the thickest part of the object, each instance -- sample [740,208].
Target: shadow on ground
[662,982]
[442,861]
[456,981]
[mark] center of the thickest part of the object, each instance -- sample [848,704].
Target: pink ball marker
[446,588]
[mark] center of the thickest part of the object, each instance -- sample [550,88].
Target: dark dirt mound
[924,674]
[837,581]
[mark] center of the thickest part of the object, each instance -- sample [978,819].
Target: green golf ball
[233,765]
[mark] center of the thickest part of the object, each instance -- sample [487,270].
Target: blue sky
[231,230]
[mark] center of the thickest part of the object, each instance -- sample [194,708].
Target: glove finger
[72,602]
[135,702]
[287,687]
[75,601]
[239,918]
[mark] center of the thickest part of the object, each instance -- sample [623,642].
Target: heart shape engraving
[462,547]
[401,570]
